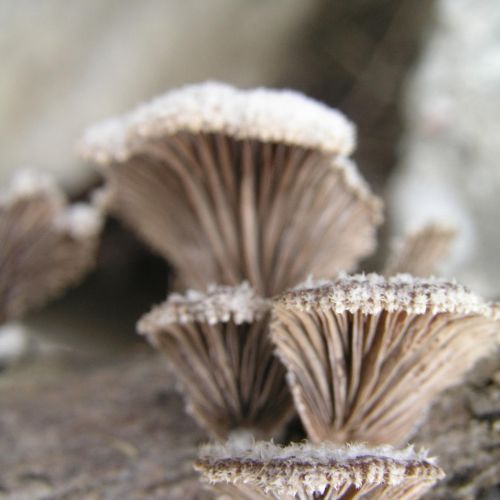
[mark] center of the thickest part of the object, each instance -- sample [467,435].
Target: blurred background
[420,78]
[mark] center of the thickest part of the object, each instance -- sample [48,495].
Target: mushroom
[46,245]
[218,343]
[233,185]
[421,251]
[306,471]
[366,355]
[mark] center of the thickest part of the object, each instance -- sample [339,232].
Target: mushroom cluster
[253,198]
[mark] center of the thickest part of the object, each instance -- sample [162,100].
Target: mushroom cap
[305,470]
[373,293]
[46,244]
[212,177]
[27,184]
[277,116]
[218,305]
[219,346]
[366,355]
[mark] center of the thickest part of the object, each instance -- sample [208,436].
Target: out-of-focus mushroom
[218,344]
[46,245]
[420,252]
[366,355]
[324,471]
[232,185]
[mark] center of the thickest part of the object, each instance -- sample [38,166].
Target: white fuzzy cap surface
[267,115]
[80,221]
[219,304]
[322,453]
[28,183]
[373,293]
[14,342]
[310,468]
[348,169]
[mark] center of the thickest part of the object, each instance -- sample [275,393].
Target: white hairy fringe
[14,342]
[79,220]
[313,454]
[28,183]
[372,293]
[218,305]
[280,116]
[304,470]
[348,170]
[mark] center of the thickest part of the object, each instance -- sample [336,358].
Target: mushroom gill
[420,252]
[46,245]
[214,179]
[306,471]
[367,355]
[218,344]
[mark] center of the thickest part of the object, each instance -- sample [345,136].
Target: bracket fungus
[213,177]
[218,343]
[305,471]
[45,244]
[421,251]
[366,355]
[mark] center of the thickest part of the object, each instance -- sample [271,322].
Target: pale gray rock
[68,64]
[449,167]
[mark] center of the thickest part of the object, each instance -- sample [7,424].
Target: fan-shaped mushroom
[366,355]
[305,471]
[45,244]
[232,185]
[218,343]
[421,251]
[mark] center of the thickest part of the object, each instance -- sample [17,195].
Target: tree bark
[92,430]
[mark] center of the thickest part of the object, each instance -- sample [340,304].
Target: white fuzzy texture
[102,198]
[348,170]
[312,282]
[313,454]
[219,304]
[14,342]
[372,293]
[278,116]
[28,183]
[304,468]
[80,221]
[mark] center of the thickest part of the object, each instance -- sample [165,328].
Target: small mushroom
[46,245]
[421,251]
[306,471]
[218,344]
[232,185]
[366,355]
